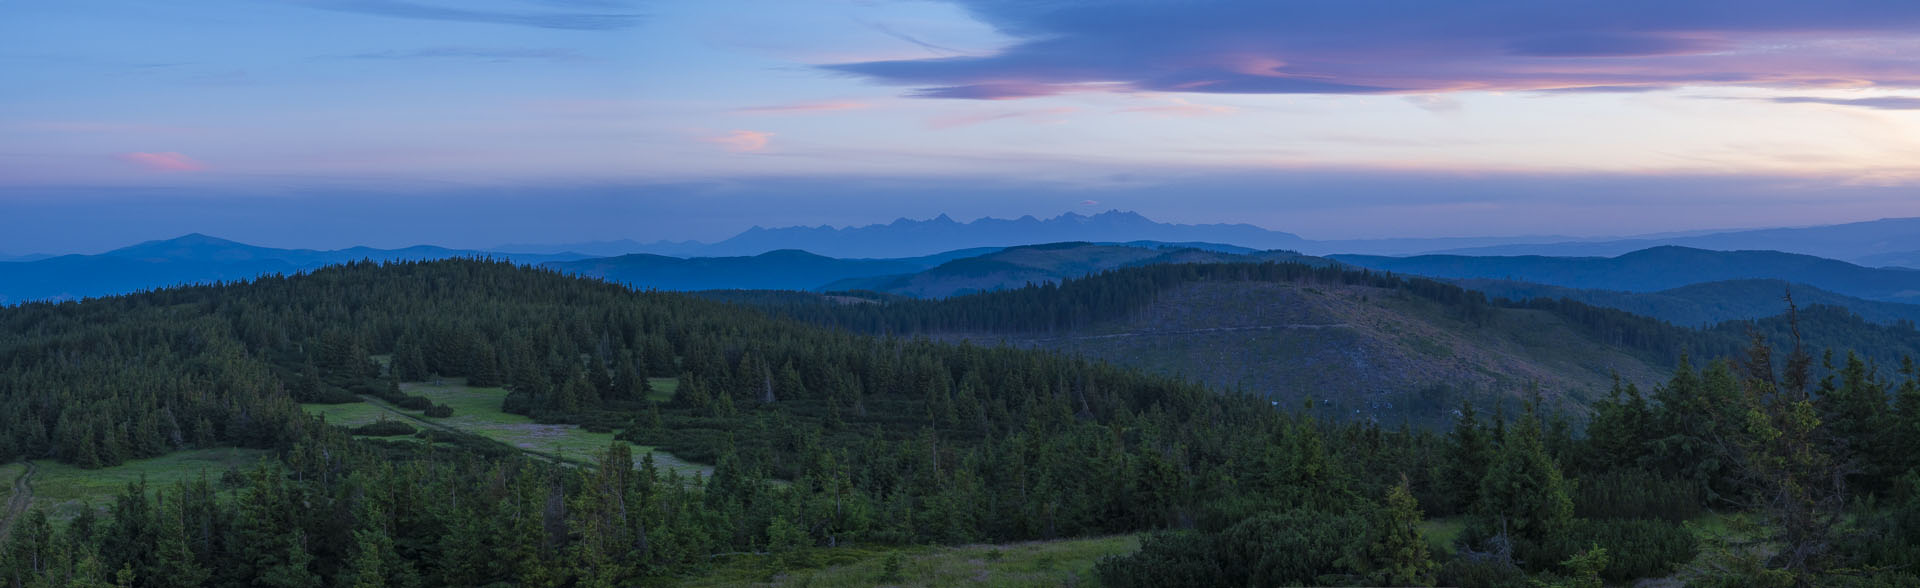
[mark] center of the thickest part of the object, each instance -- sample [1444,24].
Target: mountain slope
[192,259]
[1706,303]
[1389,347]
[1358,351]
[1014,267]
[1660,268]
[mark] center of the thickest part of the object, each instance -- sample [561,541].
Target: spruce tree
[175,565]
[1524,494]
[1397,553]
[1468,453]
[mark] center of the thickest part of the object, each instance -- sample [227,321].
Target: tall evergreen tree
[1524,494]
[1469,452]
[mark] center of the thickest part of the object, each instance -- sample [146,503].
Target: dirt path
[17,504]
[1194,332]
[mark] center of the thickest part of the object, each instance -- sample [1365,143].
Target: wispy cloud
[104,128]
[742,141]
[165,161]
[930,47]
[805,107]
[545,19]
[1183,107]
[1418,47]
[1041,115]
[497,54]
[1881,103]
[1435,103]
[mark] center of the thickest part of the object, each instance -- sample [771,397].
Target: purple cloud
[1418,46]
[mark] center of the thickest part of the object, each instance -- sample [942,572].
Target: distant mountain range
[907,237]
[193,259]
[786,269]
[1881,243]
[200,258]
[910,237]
[1660,268]
[1667,282]
[1884,242]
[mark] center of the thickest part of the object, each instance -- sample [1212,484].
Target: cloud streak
[1040,116]
[476,53]
[166,161]
[742,141]
[1881,103]
[546,19]
[1183,107]
[1417,46]
[806,107]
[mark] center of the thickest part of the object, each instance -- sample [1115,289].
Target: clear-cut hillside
[1355,350]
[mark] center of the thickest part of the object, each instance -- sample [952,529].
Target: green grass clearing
[9,473]
[1048,563]
[477,411]
[1442,532]
[663,389]
[63,490]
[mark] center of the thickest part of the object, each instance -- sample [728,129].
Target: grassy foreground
[63,490]
[477,411]
[1045,563]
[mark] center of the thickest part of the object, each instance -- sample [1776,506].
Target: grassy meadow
[1036,564]
[477,411]
[63,490]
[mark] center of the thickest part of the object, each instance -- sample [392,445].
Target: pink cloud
[742,141]
[1089,202]
[804,107]
[165,161]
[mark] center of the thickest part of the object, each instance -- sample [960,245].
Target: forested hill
[1707,303]
[884,441]
[1355,339]
[827,445]
[1661,268]
[1015,267]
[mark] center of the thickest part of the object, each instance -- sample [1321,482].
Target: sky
[472,123]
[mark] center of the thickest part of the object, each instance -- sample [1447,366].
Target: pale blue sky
[328,123]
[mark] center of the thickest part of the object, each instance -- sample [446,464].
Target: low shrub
[384,428]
